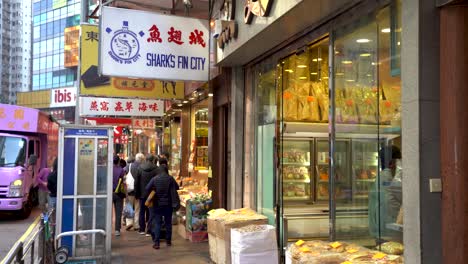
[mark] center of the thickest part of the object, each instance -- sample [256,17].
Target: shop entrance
[328,135]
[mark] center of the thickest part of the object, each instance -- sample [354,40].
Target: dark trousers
[159,213]
[118,207]
[144,215]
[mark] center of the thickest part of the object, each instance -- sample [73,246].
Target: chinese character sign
[92,106]
[143,123]
[93,84]
[150,45]
[18,118]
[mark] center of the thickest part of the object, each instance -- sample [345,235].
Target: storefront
[324,151]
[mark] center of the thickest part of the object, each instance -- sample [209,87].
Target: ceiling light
[350,80]
[302,66]
[363,40]
[398,43]
[339,74]
[289,70]
[365,55]
[369,75]
[385,30]
[210,94]
[319,59]
[313,73]
[346,62]
[185,101]
[179,104]
[374,63]
[325,78]
[302,78]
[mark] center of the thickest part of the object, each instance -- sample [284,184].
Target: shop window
[367,96]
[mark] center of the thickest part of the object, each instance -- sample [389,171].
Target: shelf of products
[297,172]
[201,140]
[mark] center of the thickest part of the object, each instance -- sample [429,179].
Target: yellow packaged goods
[338,252]
[368,106]
[289,105]
[393,248]
[321,93]
[386,110]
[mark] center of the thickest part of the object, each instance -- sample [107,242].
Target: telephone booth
[84,193]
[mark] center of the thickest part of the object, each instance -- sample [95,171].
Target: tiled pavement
[133,248]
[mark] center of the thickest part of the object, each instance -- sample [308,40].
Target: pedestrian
[165,200]
[118,195]
[133,168]
[43,192]
[52,185]
[146,172]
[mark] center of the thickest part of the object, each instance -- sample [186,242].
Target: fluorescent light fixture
[363,40]
[302,66]
[398,43]
[313,73]
[369,75]
[375,63]
[350,80]
[325,78]
[385,30]
[347,62]
[185,101]
[179,104]
[319,59]
[210,94]
[289,70]
[365,54]
[302,78]
[339,74]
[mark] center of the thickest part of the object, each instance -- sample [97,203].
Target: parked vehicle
[28,142]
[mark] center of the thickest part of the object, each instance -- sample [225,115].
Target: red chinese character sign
[93,106]
[150,45]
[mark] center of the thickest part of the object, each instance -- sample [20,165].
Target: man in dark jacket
[146,171]
[162,184]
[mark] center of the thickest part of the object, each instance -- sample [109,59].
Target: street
[12,229]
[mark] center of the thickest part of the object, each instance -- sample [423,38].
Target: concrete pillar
[454,131]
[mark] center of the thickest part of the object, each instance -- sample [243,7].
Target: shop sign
[94,84]
[229,32]
[92,106]
[85,132]
[143,123]
[150,45]
[63,97]
[253,8]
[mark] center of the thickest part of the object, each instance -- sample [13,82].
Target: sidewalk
[133,248]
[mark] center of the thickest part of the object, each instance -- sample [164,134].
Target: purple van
[28,142]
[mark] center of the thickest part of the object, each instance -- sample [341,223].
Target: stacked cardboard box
[219,230]
[196,222]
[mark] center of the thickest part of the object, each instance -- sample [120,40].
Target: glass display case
[297,172]
[365,167]
[201,139]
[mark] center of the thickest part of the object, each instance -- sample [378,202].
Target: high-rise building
[50,18]
[15,48]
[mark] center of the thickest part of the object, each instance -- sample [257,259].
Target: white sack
[265,257]
[264,240]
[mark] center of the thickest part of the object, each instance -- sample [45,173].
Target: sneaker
[141,233]
[147,235]
[117,233]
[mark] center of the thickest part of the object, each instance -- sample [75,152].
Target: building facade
[16,48]
[50,18]
[345,112]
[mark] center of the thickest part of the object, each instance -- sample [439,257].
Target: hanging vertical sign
[142,44]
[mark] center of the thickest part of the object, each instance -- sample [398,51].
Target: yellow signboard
[93,84]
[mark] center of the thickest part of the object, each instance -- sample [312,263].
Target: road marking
[24,236]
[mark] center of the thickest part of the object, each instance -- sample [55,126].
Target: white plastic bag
[129,180]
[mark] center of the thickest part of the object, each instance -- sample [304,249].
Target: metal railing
[39,247]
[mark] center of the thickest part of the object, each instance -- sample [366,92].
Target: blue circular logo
[125,45]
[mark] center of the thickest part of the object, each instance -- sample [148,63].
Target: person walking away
[52,185]
[43,192]
[133,171]
[117,195]
[164,202]
[146,172]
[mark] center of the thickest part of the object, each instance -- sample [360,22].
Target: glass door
[265,131]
